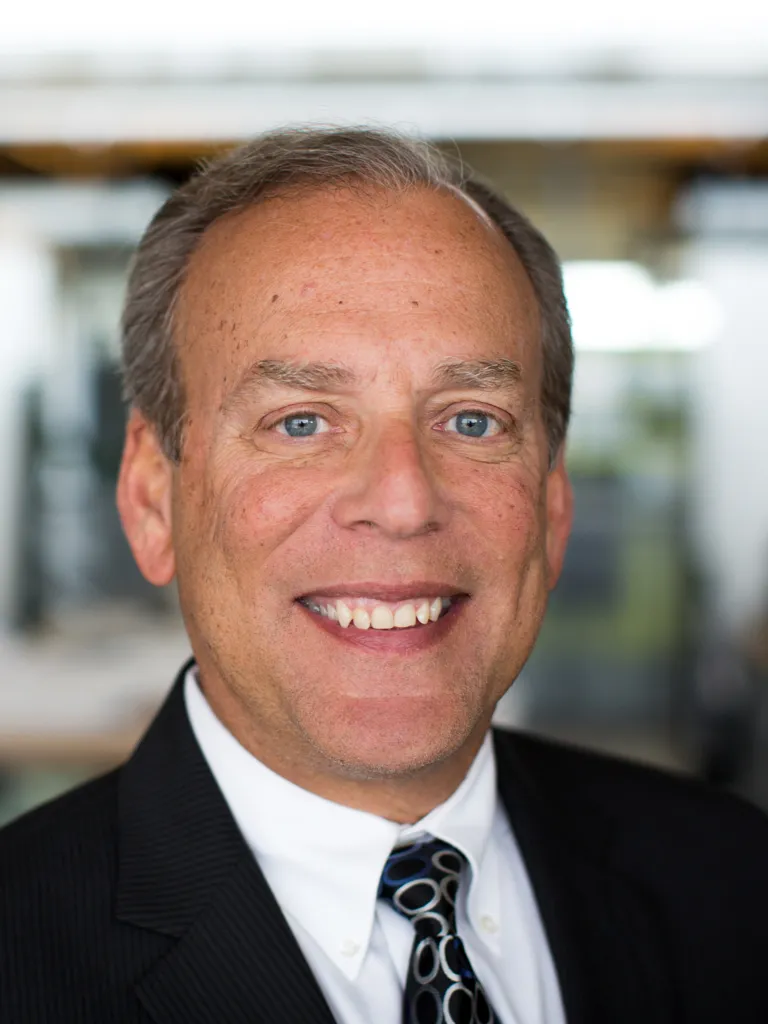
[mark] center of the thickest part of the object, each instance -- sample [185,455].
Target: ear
[144,501]
[559,513]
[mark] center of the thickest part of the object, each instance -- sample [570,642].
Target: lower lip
[391,641]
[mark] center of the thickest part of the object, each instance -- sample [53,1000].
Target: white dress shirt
[323,862]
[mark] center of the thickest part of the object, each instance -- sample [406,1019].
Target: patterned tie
[420,881]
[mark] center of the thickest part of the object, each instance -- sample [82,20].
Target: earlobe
[144,489]
[559,518]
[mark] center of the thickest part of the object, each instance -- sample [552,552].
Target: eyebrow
[479,374]
[475,374]
[298,376]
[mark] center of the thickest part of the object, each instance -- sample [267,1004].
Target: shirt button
[489,924]
[349,947]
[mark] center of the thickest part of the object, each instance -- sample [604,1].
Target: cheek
[258,511]
[507,508]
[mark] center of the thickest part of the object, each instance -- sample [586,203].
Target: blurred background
[636,139]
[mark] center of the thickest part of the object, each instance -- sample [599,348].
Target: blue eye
[301,424]
[473,423]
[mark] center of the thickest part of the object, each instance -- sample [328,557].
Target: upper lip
[387,591]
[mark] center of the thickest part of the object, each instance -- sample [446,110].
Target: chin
[384,737]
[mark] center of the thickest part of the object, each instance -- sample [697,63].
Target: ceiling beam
[104,113]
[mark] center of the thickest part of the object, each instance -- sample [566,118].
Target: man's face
[382,477]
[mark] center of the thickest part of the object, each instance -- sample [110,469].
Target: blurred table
[85,695]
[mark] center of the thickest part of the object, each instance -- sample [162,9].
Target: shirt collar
[315,853]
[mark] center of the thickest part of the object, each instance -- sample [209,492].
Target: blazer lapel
[186,873]
[606,941]
[239,962]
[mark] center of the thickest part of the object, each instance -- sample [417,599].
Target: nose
[391,488]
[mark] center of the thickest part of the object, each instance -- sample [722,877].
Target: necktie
[421,881]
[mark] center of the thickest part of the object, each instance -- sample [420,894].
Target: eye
[301,424]
[474,423]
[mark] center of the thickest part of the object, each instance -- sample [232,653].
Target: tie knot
[420,881]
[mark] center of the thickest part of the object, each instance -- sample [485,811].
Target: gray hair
[276,163]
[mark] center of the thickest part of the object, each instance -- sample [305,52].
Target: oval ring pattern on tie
[421,882]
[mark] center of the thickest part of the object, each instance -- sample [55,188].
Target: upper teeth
[366,613]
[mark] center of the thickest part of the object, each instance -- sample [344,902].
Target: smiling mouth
[369,613]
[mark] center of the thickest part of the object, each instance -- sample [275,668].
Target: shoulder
[57,887]
[64,954]
[693,860]
[696,857]
[669,820]
[70,837]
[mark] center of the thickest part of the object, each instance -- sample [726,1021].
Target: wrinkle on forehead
[311,256]
[334,216]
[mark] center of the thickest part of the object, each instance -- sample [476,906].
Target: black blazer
[134,899]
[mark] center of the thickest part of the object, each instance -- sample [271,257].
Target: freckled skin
[390,285]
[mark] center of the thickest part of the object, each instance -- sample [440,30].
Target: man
[349,370]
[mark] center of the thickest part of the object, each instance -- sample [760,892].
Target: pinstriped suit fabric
[56,868]
[134,900]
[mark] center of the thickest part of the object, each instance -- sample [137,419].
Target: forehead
[343,263]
